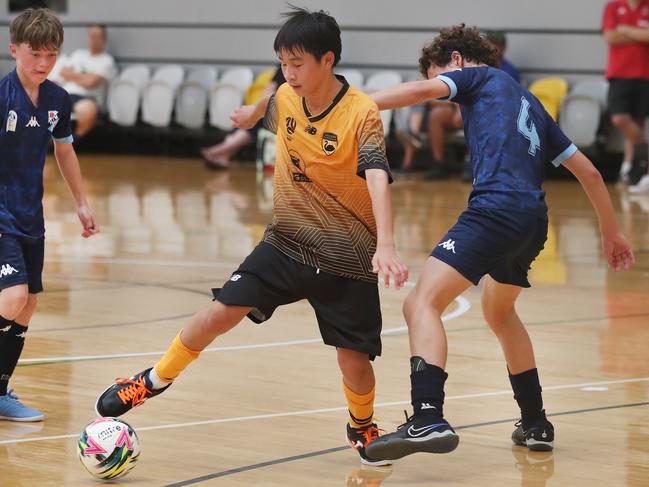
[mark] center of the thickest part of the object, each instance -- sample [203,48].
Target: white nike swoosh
[5,329]
[412,431]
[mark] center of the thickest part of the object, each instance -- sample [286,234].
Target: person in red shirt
[626,30]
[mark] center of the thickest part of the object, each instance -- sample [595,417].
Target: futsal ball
[109,448]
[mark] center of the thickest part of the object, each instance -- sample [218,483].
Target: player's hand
[617,251]
[87,219]
[245,117]
[387,262]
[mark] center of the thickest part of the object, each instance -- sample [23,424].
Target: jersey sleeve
[559,147]
[371,145]
[272,115]
[463,83]
[609,20]
[62,132]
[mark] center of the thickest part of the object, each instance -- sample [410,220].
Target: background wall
[553,36]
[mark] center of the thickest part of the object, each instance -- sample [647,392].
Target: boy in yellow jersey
[331,233]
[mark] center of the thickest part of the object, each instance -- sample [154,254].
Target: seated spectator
[499,41]
[85,74]
[218,156]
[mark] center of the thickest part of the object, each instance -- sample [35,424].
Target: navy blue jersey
[510,137]
[25,132]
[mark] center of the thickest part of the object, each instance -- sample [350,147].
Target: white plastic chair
[353,76]
[192,97]
[159,94]
[581,111]
[379,81]
[227,94]
[124,94]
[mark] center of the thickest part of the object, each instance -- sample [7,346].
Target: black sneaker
[418,434]
[436,172]
[359,438]
[125,394]
[539,436]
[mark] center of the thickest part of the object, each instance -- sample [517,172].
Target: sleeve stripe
[65,140]
[565,155]
[451,84]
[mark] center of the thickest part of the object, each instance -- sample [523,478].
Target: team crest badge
[329,143]
[12,121]
[52,119]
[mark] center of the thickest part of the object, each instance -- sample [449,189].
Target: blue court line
[256,466]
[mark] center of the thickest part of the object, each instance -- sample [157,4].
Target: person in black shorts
[331,233]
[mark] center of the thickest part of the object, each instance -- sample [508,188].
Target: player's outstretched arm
[69,167]
[617,249]
[247,116]
[385,260]
[411,93]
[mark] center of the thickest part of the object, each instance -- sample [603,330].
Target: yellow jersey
[322,208]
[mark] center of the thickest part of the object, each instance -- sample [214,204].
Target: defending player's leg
[205,325]
[533,430]
[358,385]
[426,430]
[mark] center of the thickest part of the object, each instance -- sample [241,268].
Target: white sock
[156,381]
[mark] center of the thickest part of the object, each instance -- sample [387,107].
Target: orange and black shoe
[125,394]
[359,438]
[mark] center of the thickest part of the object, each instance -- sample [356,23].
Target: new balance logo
[448,245]
[425,405]
[7,270]
[32,122]
[236,277]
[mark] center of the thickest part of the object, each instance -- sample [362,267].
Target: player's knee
[352,363]
[497,317]
[14,300]
[620,119]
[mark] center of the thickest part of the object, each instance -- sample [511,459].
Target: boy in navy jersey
[32,110]
[497,237]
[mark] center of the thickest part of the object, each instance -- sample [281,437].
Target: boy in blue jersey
[32,110]
[497,237]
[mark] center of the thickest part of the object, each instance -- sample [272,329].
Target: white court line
[325,410]
[131,262]
[463,306]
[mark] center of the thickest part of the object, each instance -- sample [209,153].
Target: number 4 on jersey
[528,132]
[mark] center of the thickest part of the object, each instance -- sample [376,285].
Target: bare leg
[211,322]
[86,112]
[221,153]
[357,370]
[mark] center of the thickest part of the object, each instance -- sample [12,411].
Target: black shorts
[21,262]
[629,96]
[348,310]
[500,243]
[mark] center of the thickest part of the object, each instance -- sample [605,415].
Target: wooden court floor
[264,405]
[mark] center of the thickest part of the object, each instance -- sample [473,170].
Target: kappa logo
[235,277]
[425,405]
[32,122]
[448,245]
[7,270]
[290,125]
[12,121]
[329,143]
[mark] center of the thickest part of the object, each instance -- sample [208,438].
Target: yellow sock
[361,407]
[175,359]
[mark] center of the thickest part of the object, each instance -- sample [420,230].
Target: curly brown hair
[466,40]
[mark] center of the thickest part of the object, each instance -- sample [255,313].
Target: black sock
[5,326]
[427,393]
[10,353]
[527,392]
[640,152]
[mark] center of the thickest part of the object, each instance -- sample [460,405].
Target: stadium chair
[159,94]
[582,110]
[353,76]
[379,81]
[124,94]
[192,98]
[227,94]
[550,92]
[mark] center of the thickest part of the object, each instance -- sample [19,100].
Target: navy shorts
[21,262]
[348,310]
[500,243]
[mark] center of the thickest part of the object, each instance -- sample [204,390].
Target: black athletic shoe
[125,394]
[436,172]
[418,434]
[359,438]
[539,436]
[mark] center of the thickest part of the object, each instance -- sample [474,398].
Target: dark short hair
[314,32]
[103,28]
[465,40]
[497,37]
[38,27]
